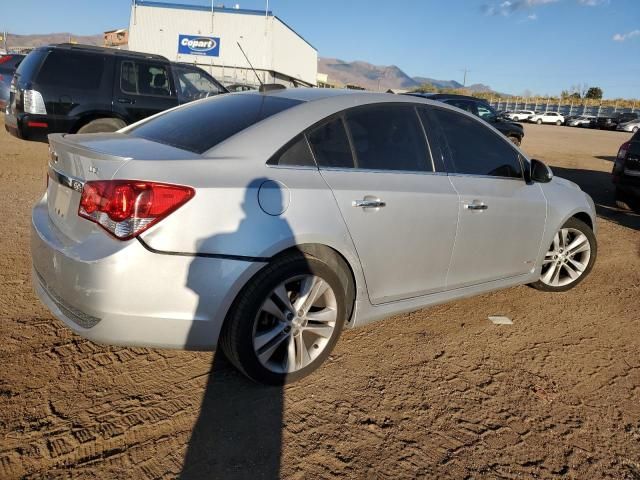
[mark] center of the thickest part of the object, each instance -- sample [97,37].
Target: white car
[521,115]
[547,117]
[582,121]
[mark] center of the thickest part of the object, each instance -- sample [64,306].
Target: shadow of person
[238,433]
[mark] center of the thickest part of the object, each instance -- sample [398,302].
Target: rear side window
[201,125]
[474,149]
[330,145]
[31,63]
[467,105]
[141,78]
[296,153]
[72,70]
[388,137]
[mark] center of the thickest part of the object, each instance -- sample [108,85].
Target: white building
[209,37]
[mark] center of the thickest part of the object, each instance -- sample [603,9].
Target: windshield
[201,125]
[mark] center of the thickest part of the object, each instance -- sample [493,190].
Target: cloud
[621,37]
[533,16]
[507,7]
[592,3]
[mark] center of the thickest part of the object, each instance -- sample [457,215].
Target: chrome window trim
[499,177]
[369,170]
[68,181]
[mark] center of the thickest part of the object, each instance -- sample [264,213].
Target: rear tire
[539,121]
[635,130]
[626,202]
[570,257]
[298,342]
[102,125]
[558,123]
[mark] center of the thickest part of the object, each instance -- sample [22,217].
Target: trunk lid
[75,159]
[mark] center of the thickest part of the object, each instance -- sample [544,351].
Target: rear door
[142,88]
[400,211]
[501,216]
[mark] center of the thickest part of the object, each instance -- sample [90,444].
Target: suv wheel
[287,319]
[515,140]
[569,259]
[102,125]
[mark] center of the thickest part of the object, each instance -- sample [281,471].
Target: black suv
[83,89]
[481,108]
[626,173]
[611,122]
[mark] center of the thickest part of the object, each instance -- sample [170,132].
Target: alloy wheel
[567,258]
[295,324]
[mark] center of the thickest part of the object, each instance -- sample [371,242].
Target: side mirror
[540,172]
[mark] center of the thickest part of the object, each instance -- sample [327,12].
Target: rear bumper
[120,293]
[28,127]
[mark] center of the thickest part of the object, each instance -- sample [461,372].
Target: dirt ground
[439,393]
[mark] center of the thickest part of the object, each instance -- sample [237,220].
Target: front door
[400,212]
[501,216]
[142,88]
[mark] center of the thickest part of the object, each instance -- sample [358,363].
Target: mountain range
[367,75]
[380,77]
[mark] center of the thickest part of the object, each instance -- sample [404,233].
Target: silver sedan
[268,222]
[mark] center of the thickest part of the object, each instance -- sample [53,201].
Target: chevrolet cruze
[267,222]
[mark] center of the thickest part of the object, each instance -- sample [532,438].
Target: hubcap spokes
[567,258]
[295,323]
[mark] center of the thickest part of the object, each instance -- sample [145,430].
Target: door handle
[368,203]
[476,206]
[126,100]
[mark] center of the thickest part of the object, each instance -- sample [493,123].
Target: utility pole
[464,79]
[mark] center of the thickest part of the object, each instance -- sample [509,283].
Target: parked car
[611,122]
[70,88]
[8,65]
[547,117]
[626,174]
[581,121]
[631,126]
[286,216]
[240,87]
[480,108]
[521,115]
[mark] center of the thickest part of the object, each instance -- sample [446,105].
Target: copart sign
[199,45]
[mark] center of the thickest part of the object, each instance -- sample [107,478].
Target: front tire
[287,319]
[515,140]
[570,257]
[539,122]
[558,123]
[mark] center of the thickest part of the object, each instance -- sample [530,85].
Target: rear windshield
[201,125]
[30,65]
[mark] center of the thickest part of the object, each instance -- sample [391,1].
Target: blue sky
[542,46]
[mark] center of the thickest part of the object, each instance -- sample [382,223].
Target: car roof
[101,50]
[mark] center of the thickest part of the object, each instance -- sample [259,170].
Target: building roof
[205,8]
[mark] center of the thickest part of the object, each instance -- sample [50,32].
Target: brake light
[126,208]
[5,58]
[623,150]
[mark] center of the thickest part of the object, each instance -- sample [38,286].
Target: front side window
[330,145]
[487,113]
[474,149]
[193,84]
[467,105]
[141,78]
[388,137]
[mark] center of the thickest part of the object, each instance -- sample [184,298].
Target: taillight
[5,58]
[623,150]
[32,102]
[126,208]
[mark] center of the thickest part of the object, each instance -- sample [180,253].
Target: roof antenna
[247,58]
[263,88]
